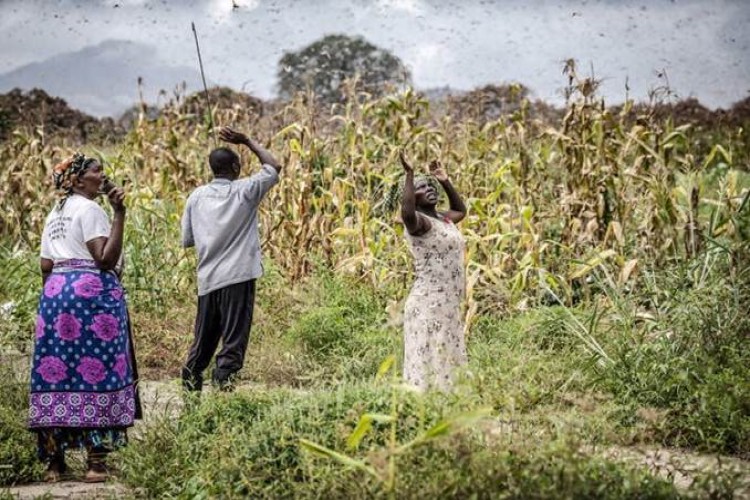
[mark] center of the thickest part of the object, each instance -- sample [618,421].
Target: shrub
[248,444]
[344,330]
[691,358]
[18,462]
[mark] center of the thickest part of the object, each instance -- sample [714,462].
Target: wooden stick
[205,87]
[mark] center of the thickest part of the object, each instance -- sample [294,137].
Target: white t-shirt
[66,231]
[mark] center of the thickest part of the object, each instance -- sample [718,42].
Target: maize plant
[548,202]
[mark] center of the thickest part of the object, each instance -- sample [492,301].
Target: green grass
[689,357]
[248,444]
[18,462]
[313,362]
[20,285]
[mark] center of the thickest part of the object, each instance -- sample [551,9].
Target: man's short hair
[222,161]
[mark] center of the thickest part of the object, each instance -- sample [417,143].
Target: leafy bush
[690,358]
[18,462]
[20,285]
[344,330]
[248,444]
[525,361]
[554,471]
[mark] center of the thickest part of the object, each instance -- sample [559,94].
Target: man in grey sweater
[221,221]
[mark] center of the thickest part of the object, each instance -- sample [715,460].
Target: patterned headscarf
[64,172]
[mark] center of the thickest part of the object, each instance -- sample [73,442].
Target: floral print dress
[83,378]
[433,326]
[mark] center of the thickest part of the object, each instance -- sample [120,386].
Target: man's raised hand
[231,136]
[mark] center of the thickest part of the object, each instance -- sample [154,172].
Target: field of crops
[608,282]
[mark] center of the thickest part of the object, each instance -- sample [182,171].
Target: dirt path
[679,466]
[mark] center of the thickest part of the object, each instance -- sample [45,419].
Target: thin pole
[205,87]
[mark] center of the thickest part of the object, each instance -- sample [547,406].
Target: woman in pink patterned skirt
[83,377]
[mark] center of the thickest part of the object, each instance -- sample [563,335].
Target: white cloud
[222,10]
[409,6]
[428,63]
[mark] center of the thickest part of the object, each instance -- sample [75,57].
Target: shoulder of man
[196,192]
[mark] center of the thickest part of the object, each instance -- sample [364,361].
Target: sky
[700,47]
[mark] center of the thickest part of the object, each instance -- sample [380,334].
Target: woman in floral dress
[83,375]
[433,327]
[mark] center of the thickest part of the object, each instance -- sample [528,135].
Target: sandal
[52,476]
[95,476]
[97,469]
[55,471]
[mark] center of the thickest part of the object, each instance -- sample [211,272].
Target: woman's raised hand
[404,163]
[437,171]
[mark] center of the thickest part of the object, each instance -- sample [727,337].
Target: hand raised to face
[116,197]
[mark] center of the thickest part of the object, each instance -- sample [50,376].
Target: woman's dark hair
[222,161]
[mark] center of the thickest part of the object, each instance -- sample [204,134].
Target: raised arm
[233,137]
[415,224]
[106,251]
[457,210]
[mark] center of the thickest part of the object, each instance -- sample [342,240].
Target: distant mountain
[102,80]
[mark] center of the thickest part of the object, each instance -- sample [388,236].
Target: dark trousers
[225,314]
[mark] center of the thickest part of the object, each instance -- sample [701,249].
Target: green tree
[325,64]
